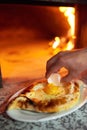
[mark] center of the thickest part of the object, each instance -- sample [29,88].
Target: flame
[66,43]
[69,12]
[56,42]
[70,46]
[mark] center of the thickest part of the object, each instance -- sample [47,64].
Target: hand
[74,61]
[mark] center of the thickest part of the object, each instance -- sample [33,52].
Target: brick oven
[28,31]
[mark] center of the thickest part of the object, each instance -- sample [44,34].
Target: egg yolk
[52,89]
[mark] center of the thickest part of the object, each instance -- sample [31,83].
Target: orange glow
[66,42]
[22,57]
[24,61]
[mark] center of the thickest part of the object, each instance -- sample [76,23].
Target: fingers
[52,69]
[55,58]
[67,78]
[59,68]
[72,75]
[52,61]
[55,63]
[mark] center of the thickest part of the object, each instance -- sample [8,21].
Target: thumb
[67,78]
[70,76]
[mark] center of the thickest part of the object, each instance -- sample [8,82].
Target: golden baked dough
[45,97]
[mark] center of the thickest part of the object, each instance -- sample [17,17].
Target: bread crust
[56,103]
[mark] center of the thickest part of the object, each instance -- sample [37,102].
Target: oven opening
[30,35]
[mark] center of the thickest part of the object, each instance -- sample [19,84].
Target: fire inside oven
[30,35]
